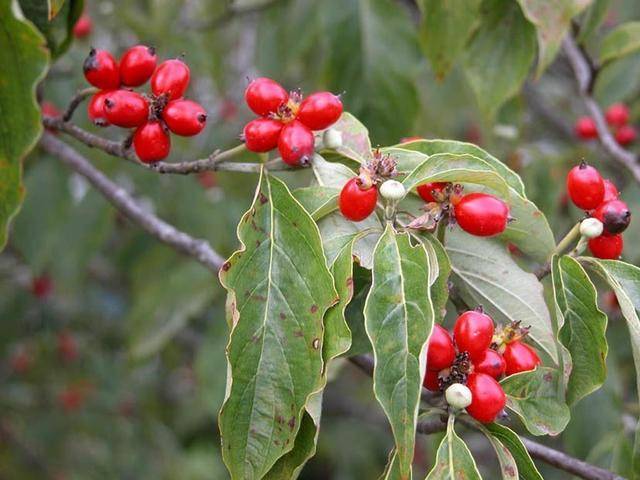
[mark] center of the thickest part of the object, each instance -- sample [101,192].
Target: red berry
[585,128]
[585,186]
[426,190]
[440,353]
[431,381]
[606,247]
[617,115]
[481,214]
[614,215]
[357,203]
[171,77]
[101,70]
[610,191]
[488,398]
[264,96]
[262,134]
[83,26]
[207,180]
[49,109]
[151,142]
[320,110]
[67,347]
[126,109]
[296,143]
[626,135]
[21,360]
[491,363]
[184,117]
[137,65]
[95,108]
[520,357]
[473,332]
[42,286]
[71,399]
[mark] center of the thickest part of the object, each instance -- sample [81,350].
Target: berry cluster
[152,115]
[478,356]
[617,116]
[599,197]
[479,214]
[83,26]
[287,121]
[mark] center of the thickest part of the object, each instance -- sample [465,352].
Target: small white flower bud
[591,228]
[392,190]
[332,138]
[458,396]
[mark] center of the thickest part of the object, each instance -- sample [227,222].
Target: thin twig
[76,101]
[197,248]
[583,73]
[218,161]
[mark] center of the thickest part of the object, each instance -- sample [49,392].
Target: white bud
[458,396]
[591,228]
[392,190]
[332,138]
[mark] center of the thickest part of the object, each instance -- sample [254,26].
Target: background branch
[197,248]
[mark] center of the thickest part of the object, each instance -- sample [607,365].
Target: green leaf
[337,231]
[318,201]
[526,468]
[55,20]
[500,55]
[432,147]
[398,318]
[463,168]
[593,18]
[625,39]
[406,160]
[552,21]
[330,174]
[506,460]
[453,460]
[533,396]
[582,327]
[487,275]
[24,63]
[444,30]
[618,80]
[275,351]
[355,138]
[439,269]
[372,54]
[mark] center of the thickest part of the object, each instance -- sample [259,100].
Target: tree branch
[197,248]
[584,75]
[76,101]
[548,455]
[217,161]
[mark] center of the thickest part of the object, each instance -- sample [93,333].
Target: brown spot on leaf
[257,243]
[279,418]
[292,423]
[548,377]
[276,442]
[282,316]
[349,281]
[253,432]
[316,343]
[509,471]
[314,308]
[255,338]
[298,333]
[263,198]
[226,266]
[260,298]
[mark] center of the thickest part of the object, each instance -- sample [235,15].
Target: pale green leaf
[440,269]
[279,288]
[593,18]
[526,468]
[318,201]
[398,320]
[453,459]
[625,39]
[508,465]
[355,138]
[337,231]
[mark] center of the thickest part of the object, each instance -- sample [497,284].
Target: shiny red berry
[585,186]
[473,332]
[614,215]
[262,134]
[431,380]
[481,214]
[606,247]
[357,203]
[440,352]
[426,190]
[184,117]
[42,286]
[610,191]
[151,142]
[264,96]
[320,110]
[83,26]
[520,357]
[67,347]
[491,363]
[487,397]
[585,128]
[126,109]
[171,78]
[101,70]
[617,115]
[296,143]
[626,135]
[137,65]
[95,108]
